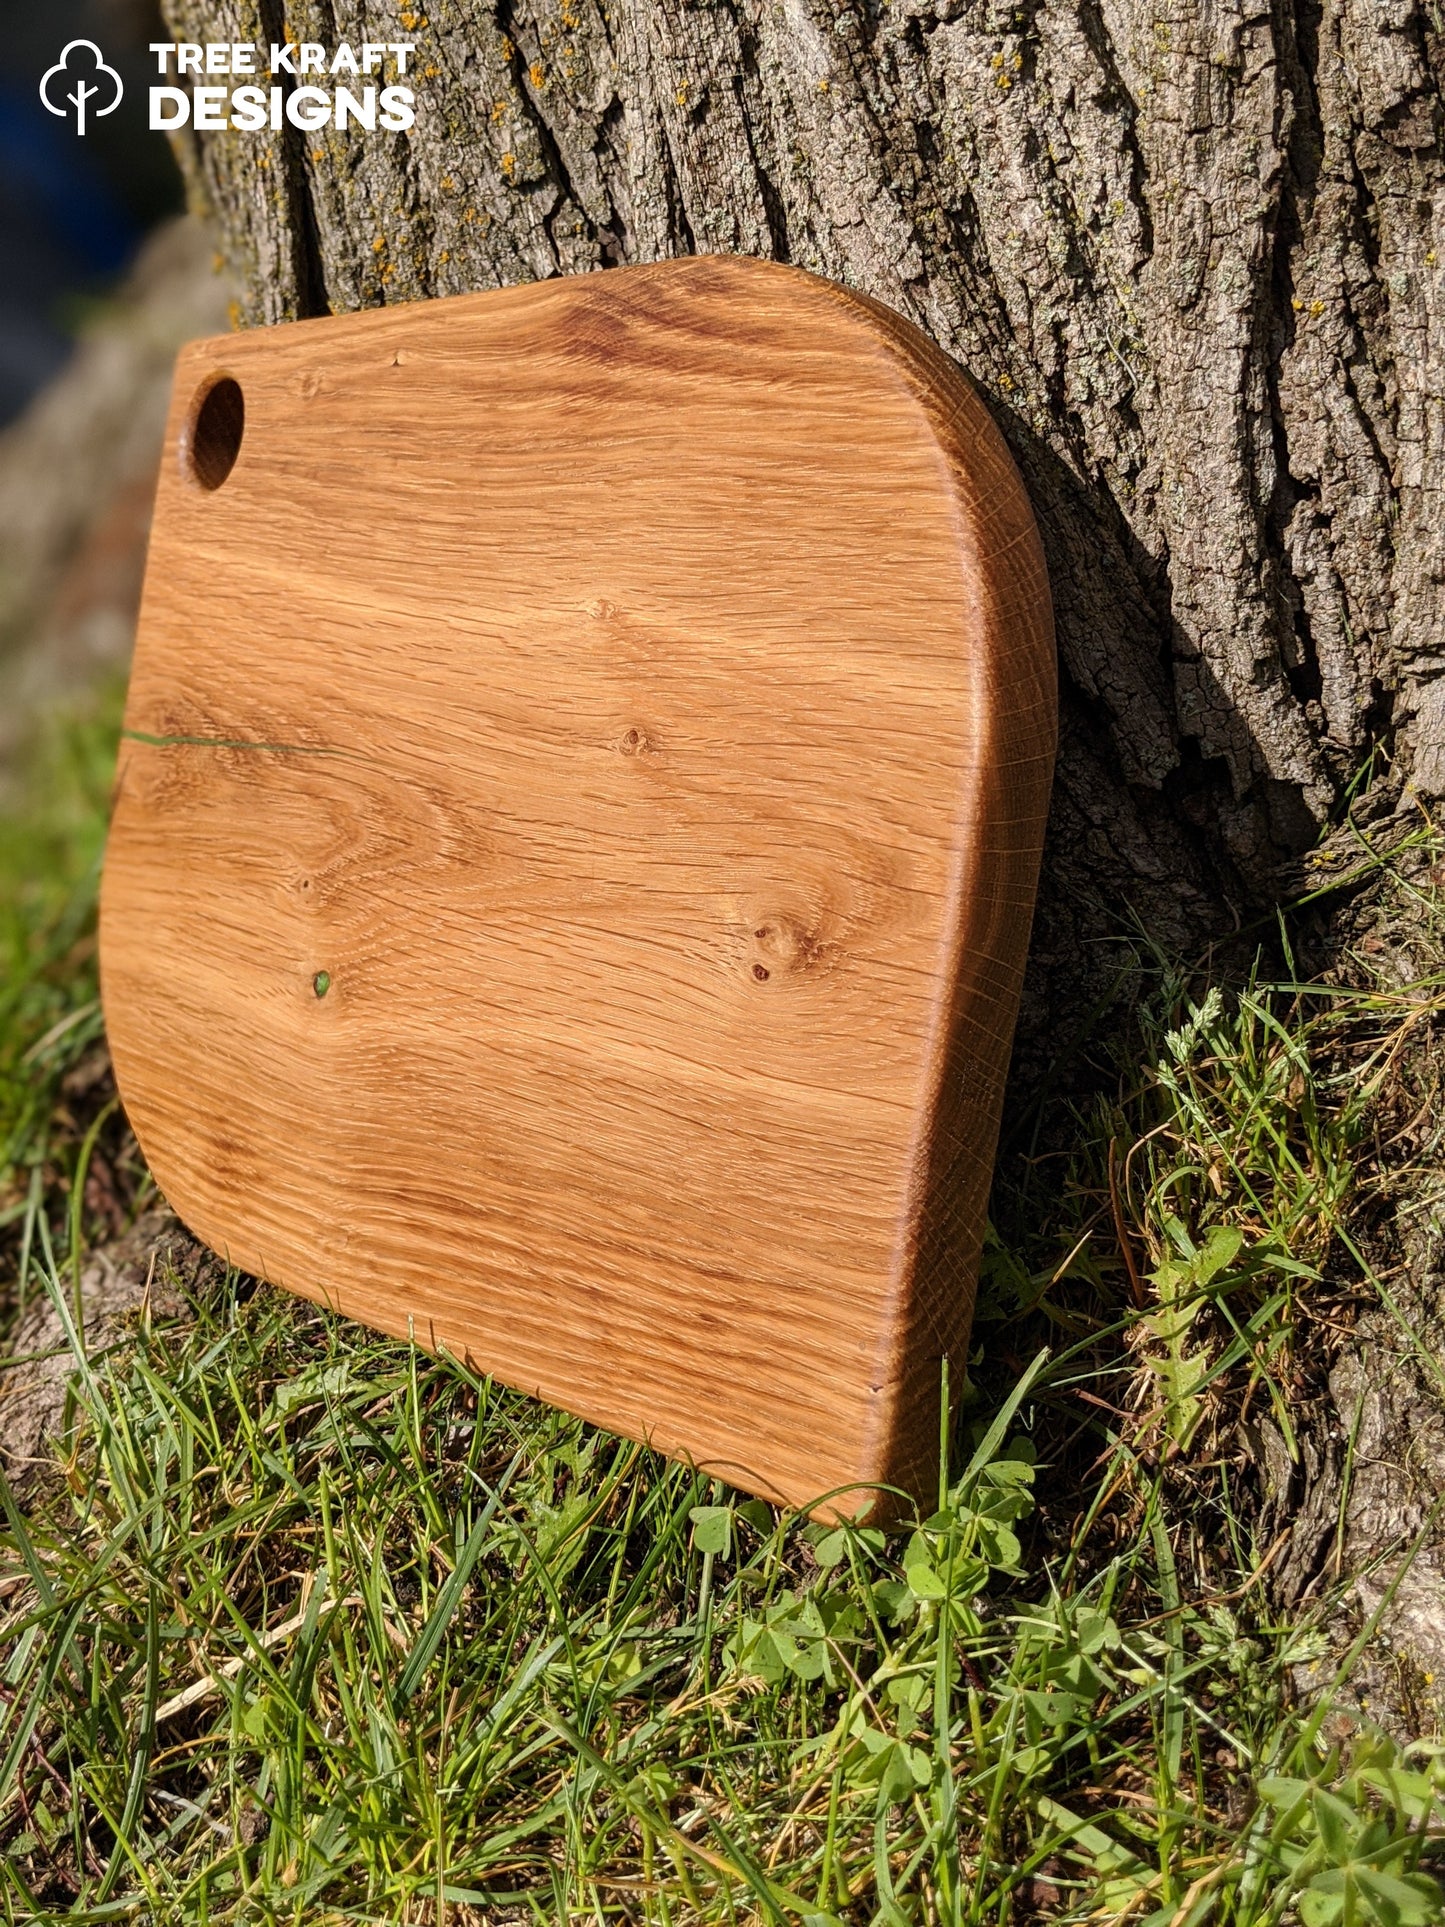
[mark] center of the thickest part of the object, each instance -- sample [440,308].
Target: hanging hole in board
[213,440]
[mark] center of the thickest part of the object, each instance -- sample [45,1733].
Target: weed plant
[309,1626]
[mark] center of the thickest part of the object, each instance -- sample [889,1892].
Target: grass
[51,1053]
[311,1626]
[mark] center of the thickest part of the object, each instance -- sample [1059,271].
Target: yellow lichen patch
[499,111]
[378,246]
[682,95]
[536,73]
[431,72]
[509,165]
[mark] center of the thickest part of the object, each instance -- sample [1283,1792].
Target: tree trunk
[1189,250]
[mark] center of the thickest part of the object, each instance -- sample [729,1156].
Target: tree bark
[1189,250]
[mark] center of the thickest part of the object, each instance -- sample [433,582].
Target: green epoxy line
[226,742]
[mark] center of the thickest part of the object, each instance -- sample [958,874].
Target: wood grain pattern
[631,700]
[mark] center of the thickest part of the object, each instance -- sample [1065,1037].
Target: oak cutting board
[575,840]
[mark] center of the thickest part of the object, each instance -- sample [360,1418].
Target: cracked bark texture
[1190,250]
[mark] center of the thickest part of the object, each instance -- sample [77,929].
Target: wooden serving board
[575,840]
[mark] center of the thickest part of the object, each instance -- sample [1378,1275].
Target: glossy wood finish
[630,700]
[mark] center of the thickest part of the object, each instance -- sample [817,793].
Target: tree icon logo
[91,61]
